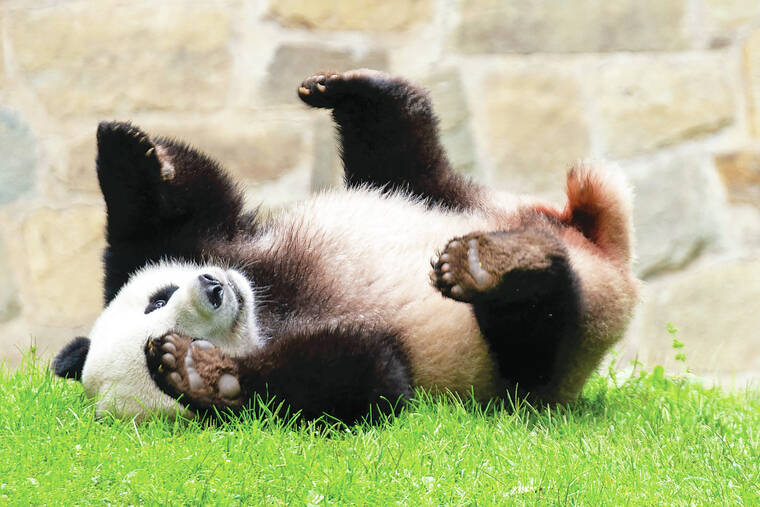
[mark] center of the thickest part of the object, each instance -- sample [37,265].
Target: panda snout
[213,289]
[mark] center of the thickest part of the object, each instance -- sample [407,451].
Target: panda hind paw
[459,272]
[325,89]
[194,371]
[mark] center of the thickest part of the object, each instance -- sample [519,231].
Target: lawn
[644,440]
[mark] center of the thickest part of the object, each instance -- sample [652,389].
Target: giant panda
[412,276]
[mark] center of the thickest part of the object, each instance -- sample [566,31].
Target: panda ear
[70,360]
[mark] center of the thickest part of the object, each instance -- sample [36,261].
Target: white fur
[374,250]
[115,370]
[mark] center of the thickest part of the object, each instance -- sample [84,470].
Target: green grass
[644,441]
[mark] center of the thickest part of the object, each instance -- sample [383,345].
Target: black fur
[343,373]
[389,136]
[389,140]
[70,360]
[150,218]
[528,333]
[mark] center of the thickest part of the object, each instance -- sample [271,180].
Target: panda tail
[599,204]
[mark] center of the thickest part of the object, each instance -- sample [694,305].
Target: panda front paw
[326,89]
[195,372]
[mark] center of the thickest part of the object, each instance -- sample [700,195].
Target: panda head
[206,302]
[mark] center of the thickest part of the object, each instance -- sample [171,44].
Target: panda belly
[376,252]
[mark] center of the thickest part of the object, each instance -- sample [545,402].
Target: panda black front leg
[526,299]
[389,135]
[345,374]
[163,199]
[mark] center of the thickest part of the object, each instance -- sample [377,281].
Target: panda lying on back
[331,305]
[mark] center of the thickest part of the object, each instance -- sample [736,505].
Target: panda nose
[213,289]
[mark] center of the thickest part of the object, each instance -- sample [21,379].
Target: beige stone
[292,63]
[716,312]
[116,57]
[79,172]
[752,72]
[20,335]
[535,127]
[58,255]
[646,103]
[351,14]
[10,305]
[450,103]
[676,212]
[723,18]
[559,26]
[740,172]
[251,148]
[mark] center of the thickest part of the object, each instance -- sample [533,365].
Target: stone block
[10,305]
[535,127]
[558,26]
[366,15]
[294,62]
[724,18]
[677,210]
[18,156]
[79,171]
[115,57]
[646,103]
[251,148]
[740,171]
[752,73]
[450,103]
[58,254]
[715,309]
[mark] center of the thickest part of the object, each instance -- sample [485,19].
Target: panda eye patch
[160,298]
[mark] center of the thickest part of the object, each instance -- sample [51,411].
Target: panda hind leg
[389,136]
[526,299]
[334,372]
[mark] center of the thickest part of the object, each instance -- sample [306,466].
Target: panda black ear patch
[70,360]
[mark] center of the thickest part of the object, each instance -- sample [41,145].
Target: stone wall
[669,89]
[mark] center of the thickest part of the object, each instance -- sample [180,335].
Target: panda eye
[160,298]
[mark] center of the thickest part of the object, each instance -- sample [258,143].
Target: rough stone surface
[752,72]
[535,127]
[79,171]
[557,26]
[450,102]
[119,58]
[740,172]
[351,14]
[10,306]
[58,254]
[647,103]
[251,148]
[292,63]
[18,156]
[715,311]
[723,18]
[677,210]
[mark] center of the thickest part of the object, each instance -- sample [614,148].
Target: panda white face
[205,302]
